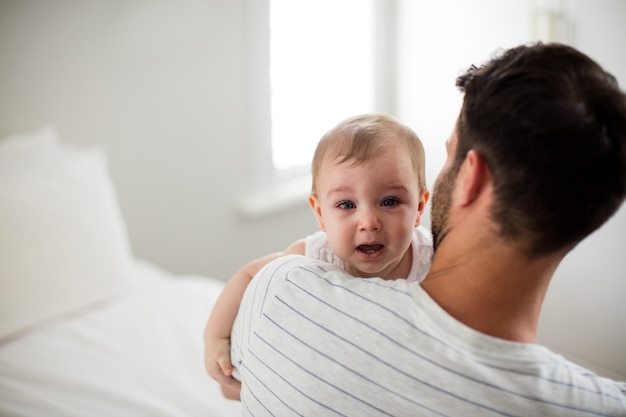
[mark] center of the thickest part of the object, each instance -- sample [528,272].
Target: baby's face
[369,212]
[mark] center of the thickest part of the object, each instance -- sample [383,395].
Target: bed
[85,328]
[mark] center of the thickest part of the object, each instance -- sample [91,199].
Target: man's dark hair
[551,125]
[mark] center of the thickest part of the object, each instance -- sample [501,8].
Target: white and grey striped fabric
[311,341]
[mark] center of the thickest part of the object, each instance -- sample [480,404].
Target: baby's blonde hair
[361,138]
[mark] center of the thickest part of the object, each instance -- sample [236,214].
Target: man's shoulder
[292,269]
[302,281]
[296,265]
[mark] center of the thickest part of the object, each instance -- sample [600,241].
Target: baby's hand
[218,366]
[221,355]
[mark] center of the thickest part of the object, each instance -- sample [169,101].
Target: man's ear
[317,210]
[421,206]
[472,179]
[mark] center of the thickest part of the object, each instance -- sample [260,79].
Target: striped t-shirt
[311,341]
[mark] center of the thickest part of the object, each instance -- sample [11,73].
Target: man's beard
[440,209]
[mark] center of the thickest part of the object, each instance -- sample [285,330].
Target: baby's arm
[220,323]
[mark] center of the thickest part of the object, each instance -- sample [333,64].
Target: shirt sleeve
[316,247]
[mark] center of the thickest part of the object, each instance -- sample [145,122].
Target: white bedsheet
[138,355]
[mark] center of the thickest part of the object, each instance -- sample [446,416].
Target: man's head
[550,124]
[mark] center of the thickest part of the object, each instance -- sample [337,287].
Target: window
[315,63]
[321,70]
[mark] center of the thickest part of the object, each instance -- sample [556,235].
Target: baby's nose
[369,220]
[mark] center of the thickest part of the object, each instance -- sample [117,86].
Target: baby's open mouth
[369,249]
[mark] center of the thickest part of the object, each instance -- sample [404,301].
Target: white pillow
[63,243]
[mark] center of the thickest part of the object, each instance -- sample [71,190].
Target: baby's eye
[346,205]
[389,202]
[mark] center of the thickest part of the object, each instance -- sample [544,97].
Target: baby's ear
[317,210]
[421,206]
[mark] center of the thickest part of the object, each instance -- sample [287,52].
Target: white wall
[584,312]
[162,86]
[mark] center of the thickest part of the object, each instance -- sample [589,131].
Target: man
[536,162]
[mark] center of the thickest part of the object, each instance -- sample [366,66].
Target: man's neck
[490,286]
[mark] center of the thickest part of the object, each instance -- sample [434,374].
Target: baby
[368,195]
